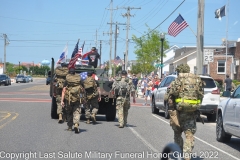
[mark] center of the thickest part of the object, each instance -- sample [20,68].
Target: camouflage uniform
[94,103]
[58,91]
[187,120]
[73,111]
[71,93]
[92,95]
[123,101]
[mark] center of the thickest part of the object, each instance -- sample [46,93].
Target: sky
[40,29]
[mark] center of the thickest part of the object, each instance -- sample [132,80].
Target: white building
[170,53]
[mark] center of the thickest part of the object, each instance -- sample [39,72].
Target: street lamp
[162,36]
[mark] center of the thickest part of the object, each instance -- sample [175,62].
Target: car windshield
[209,83]
[2,76]
[20,76]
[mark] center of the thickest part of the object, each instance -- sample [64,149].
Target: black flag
[219,13]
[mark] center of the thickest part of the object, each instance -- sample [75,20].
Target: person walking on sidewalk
[148,91]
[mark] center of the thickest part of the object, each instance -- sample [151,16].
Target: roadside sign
[208,55]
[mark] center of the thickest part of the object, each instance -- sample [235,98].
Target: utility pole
[200,38]
[110,54]
[100,52]
[5,45]
[96,39]
[128,15]
[115,51]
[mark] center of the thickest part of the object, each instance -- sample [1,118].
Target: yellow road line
[5,117]
[13,118]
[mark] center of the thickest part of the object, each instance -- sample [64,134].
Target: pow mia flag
[219,13]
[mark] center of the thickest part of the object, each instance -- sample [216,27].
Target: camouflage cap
[183,68]
[124,72]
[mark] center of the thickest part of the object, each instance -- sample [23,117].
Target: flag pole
[192,31]
[227,37]
[66,54]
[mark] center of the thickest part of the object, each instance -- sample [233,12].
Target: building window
[221,67]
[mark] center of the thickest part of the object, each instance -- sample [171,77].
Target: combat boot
[60,120]
[69,128]
[121,126]
[76,128]
[93,116]
[88,121]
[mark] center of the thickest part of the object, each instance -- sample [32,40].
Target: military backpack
[61,73]
[188,90]
[122,87]
[90,87]
[74,90]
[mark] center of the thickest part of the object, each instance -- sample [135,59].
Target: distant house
[170,53]
[220,65]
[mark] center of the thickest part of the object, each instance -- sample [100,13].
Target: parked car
[22,78]
[209,103]
[27,79]
[48,80]
[5,80]
[30,78]
[228,119]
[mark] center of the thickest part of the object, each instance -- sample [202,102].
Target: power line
[165,18]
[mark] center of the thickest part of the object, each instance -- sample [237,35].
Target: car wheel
[166,112]
[211,117]
[154,109]
[222,136]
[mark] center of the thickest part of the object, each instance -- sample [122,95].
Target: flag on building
[177,26]
[63,56]
[221,12]
[75,55]
[117,60]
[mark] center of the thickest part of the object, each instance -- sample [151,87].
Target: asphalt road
[28,132]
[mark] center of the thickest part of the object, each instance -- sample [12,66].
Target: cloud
[235,23]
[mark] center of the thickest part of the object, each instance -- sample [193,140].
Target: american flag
[177,26]
[117,60]
[83,76]
[74,59]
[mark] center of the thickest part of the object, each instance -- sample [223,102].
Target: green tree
[137,68]
[10,69]
[148,50]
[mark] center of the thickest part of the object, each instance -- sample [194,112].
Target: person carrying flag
[93,57]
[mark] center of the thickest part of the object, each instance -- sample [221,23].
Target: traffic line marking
[145,142]
[25,100]
[203,141]
[5,117]
[9,114]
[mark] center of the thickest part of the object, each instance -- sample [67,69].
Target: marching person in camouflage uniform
[72,91]
[93,96]
[60,72]
[185,95]
[122,88]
